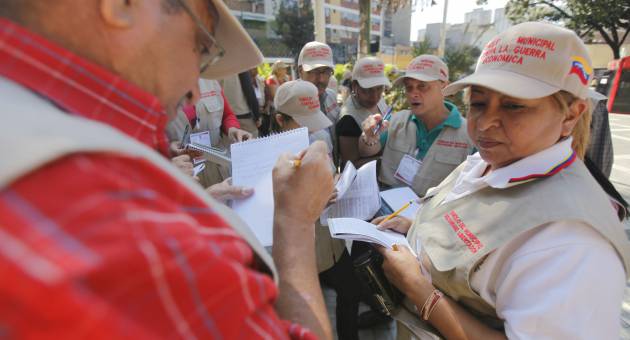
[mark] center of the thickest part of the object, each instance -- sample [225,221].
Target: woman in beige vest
[520,241]
[366,98]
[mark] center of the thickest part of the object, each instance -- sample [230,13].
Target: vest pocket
[452,158]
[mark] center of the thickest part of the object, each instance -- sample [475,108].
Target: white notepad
[357,194]
[397,197]
[359,230]
[252,163]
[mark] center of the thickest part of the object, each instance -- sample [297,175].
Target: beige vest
[359,114]
[210,109]
[490,218]
[328,250]
[47,134]
[209,112]
[331,108]
[449,150]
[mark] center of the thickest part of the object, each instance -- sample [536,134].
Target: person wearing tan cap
[420,146]
[315,65]
[99,234]
[279,75]
[297,105]
[520,241]
[366,98]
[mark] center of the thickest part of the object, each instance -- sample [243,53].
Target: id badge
[407,169]
[202,138]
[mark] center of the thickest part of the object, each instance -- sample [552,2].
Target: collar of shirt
[425,138]
[80,87]
[542,164]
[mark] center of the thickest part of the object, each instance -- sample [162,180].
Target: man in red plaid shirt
[100,237]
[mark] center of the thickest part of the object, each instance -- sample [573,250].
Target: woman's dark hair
[273,124]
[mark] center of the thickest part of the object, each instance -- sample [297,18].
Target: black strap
[249,94]
[608,187]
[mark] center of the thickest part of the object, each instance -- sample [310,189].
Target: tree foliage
[460,60]
[422,47]
[294,24]
[609,18]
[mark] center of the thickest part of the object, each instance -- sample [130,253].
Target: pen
[184,137]
[386,117]
[396,213]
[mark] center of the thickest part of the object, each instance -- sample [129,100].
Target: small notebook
[252,163]
[359,230]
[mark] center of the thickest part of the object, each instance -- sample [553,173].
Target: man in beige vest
[100,235]
[315,65]
[420,146]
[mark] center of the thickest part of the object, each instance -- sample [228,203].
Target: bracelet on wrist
[366,142]
[430,304]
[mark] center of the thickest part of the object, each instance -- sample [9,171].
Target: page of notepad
[252,163]
[360,200]
[358,230]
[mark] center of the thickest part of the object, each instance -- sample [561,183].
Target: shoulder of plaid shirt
[66,220]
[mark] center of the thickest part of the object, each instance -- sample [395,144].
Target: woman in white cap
[520,241]
[366,98]
[279,75]
[297,105]
[422,145]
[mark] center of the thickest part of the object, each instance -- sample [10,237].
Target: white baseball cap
[532,60]
[315,54]
[370,72]
[241,53]
[299,99]
[425,68]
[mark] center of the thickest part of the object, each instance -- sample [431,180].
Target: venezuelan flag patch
[581,68]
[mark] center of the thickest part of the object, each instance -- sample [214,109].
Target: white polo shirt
[561,280]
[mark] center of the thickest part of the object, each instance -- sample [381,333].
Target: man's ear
[117,13]
[577,108]
[443,84]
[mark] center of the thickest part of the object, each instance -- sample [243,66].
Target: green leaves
[294,24]
[609,18]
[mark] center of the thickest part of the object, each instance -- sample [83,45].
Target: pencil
[296,163]
[397,212]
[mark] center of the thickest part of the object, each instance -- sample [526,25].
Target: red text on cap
[309,102]
[494,52]
[373,68]
[421,65]
[317,52]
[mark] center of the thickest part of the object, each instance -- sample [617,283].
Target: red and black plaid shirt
[106,246]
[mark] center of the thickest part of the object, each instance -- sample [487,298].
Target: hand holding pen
[387,116]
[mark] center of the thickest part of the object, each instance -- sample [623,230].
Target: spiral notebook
[252,163]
